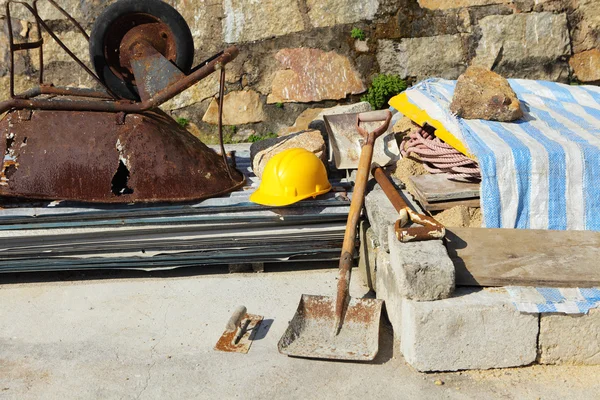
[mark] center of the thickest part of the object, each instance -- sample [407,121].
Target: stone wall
[298,54]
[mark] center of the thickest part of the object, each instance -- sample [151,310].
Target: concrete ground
[151,336]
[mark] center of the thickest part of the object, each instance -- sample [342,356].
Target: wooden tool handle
[374,116]
[358,198]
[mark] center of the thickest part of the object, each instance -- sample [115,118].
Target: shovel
[341,328]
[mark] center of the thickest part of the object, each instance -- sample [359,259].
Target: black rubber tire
[156,8]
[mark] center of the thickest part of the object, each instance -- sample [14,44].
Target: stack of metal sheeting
[225,230]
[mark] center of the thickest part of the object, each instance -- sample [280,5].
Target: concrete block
[381,214]
[475,329]
[388,291]
[367,261]
[570,339]
[423,271]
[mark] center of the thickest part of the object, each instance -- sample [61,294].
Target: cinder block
[423,270]
[381,215]
[367,262]
[388,291]
[475,329]
[570,339]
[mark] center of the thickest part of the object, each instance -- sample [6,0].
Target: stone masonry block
[381,214]
[388,291]
[570,339]
[367,261]
[442,56]
[423,270]
[475,329]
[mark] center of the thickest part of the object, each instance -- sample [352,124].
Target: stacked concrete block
[439,329]
[367,263]
[423,271]
[475,329]
[570,339]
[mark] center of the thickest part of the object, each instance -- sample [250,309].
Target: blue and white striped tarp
[541,172]
[553,300]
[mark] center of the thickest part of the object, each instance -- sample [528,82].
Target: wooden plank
[504,257]
[444,205]
[436,188]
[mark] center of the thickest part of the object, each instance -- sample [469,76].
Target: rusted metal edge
[41,23]
[124,105]
[244,335]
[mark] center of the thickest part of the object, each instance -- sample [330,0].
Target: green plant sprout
[357,33]
[382,89]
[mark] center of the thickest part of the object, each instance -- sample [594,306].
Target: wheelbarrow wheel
[126,20]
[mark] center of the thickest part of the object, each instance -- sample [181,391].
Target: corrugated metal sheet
[230,229]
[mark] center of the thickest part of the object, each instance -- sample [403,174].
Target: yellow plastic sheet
[420,117]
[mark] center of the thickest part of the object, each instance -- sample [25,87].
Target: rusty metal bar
[41,54]
[221,102]
[124,105]
[28,45]
[11,42]
[63,91]
[430,229]
[69,17]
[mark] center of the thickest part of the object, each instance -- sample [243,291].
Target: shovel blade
[310,334]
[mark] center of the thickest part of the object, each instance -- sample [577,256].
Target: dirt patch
[407,167]
[460,217]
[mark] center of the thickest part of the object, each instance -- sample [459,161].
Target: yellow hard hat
[291,176]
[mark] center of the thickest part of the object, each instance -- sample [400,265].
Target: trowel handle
[236,319]
[374,116]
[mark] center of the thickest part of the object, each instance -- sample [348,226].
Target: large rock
[525,45]
[239,108]
[262,151]
[302,122]
[338,12]
[570,339]
[483,94]
[75,41]
[20,30]
[449,4]
[248,20]
[314,75]
[439,56]
[586,33]
[475,329]
[205,89]
[586,65]
[204,19]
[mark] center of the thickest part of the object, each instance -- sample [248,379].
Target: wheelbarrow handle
[373,116]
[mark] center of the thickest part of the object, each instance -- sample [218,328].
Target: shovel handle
[358,198]
[384,116]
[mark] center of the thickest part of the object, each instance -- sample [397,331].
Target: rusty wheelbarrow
[112,144]
[341,327]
